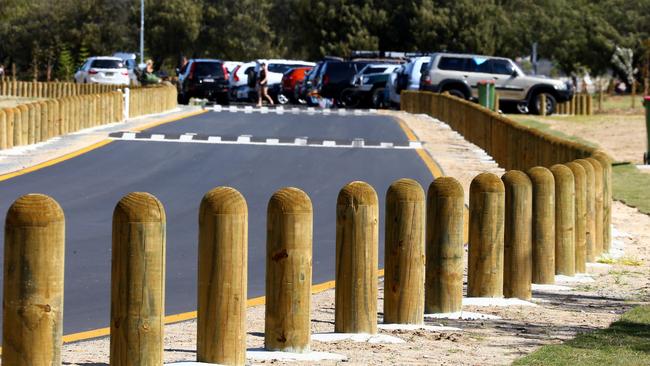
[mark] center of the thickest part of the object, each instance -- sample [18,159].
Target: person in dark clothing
[263,85]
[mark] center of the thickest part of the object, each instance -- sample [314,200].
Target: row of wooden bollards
[150,100]
[524,228]
[52,89]
[39,121]
[580,104]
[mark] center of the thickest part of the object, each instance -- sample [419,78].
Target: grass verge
[625,342]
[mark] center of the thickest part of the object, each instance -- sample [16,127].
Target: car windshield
[107,64]
[374,69]
[208,69]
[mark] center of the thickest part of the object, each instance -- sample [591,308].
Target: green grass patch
[541,126]
[632,187]
[625,342]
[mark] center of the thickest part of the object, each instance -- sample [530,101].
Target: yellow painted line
[86,149]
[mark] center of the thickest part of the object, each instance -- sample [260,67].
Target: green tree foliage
[66,66]
[576,34]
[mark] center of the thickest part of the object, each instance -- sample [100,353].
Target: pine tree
[65,65]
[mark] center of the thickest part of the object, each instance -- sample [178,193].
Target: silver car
[102,70]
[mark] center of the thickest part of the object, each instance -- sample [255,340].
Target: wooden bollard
[606,163]
[486,230]
[404,253]
[222,277]
[517,266]
[357,246]
[580,179]
[45,117]
[590,210]
[32,319]
[34,119]
[3,130]
[24,123]
[564,220]
[138,281]
[542,104]
[598,194]
[543,228]
[444,246]
[288,271]
[9,112]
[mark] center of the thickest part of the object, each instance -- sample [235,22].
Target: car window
[373,69]
[107,64]
[502,67]
[479,64]
[279,68]
[424,67]
[208,69]
[452,63]
[339,71]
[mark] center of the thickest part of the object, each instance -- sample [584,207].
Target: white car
[240,87]
[407,77]
[102,70]
[130,63]
[231,65]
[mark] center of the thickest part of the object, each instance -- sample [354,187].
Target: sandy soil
[559,314]
[10,102]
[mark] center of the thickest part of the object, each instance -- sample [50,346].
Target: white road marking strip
[294,110]
[248,109]
[247,140]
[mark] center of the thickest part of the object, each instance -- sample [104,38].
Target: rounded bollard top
[139,207]
[603,157]
[541,175]
[587,166]
[516,178]
[598,166]
[223,200]
[405,189]
[8,111]
[34,209]
[577,169]
[487,182]
[357,193]
[446,187]
[290,200]
[23,107]
[561,171]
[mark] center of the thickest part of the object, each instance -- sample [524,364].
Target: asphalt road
[179,174]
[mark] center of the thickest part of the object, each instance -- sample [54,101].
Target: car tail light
[234,73]
[225,72]
[326,79]
[92,72]
[125,73]
[191,76]
[426,80]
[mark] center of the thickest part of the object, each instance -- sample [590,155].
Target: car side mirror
[514,73]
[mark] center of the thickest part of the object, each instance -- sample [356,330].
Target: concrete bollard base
[495,301]
[462,315]
[260,354]
[356,337]
[430,328]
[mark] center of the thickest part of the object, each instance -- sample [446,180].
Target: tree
[65,65]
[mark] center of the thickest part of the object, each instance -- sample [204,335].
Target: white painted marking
[186,137]
[264,110]
[358,142]
[233,109]
[295,110]
[386,144]
[342,112]
[217,108]
[248,109]
[430,328]
[279,110]
[357,112]
[244,139]
[214,139]
[259,354]
[356,337]
[578,278]
[549,288]
[329,143]
[462,315]
[495,301]
[300,141]
[310,110]
[372,111]
[157,136]
[128,135]
[327,111]
[272,141]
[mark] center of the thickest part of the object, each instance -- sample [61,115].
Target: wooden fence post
[288,271]
[606,162]
[357,247]
[404,253]
[10,127]
[3,130]
[517,266]
[486,230]
[32,319]
[24,123]
[444,246]
[564,220]
[590,210]
[543,225]
[138,281]
[222,277]
[580,178]
[598,194]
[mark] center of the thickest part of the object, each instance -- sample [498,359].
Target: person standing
[263,85]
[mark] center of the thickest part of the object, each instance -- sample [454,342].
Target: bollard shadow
[256,334]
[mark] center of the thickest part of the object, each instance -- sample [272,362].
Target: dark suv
[336,76]
[203,78]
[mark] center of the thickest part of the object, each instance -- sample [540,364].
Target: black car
[203,78]
[337,76]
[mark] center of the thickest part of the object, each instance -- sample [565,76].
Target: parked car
[459,75]
[337,76]
[129,59]
[406,77]
[102,70]
[231,65]
[307,90]
[290,81]
[239,89]
[204,78]
[245,90]
[369,84]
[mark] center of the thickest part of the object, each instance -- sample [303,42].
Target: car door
[80,75]
[505,80]
[478,69]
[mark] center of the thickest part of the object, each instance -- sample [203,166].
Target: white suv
[103,70]
[407,77]
[459,75]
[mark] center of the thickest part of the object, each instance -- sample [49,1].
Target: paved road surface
[89,186]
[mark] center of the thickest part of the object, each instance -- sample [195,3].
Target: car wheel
[378,98]
[456,93]
[522,108]
[282,99]
[536,102]
[349,98]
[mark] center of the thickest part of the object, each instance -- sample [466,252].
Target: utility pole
[141,31]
